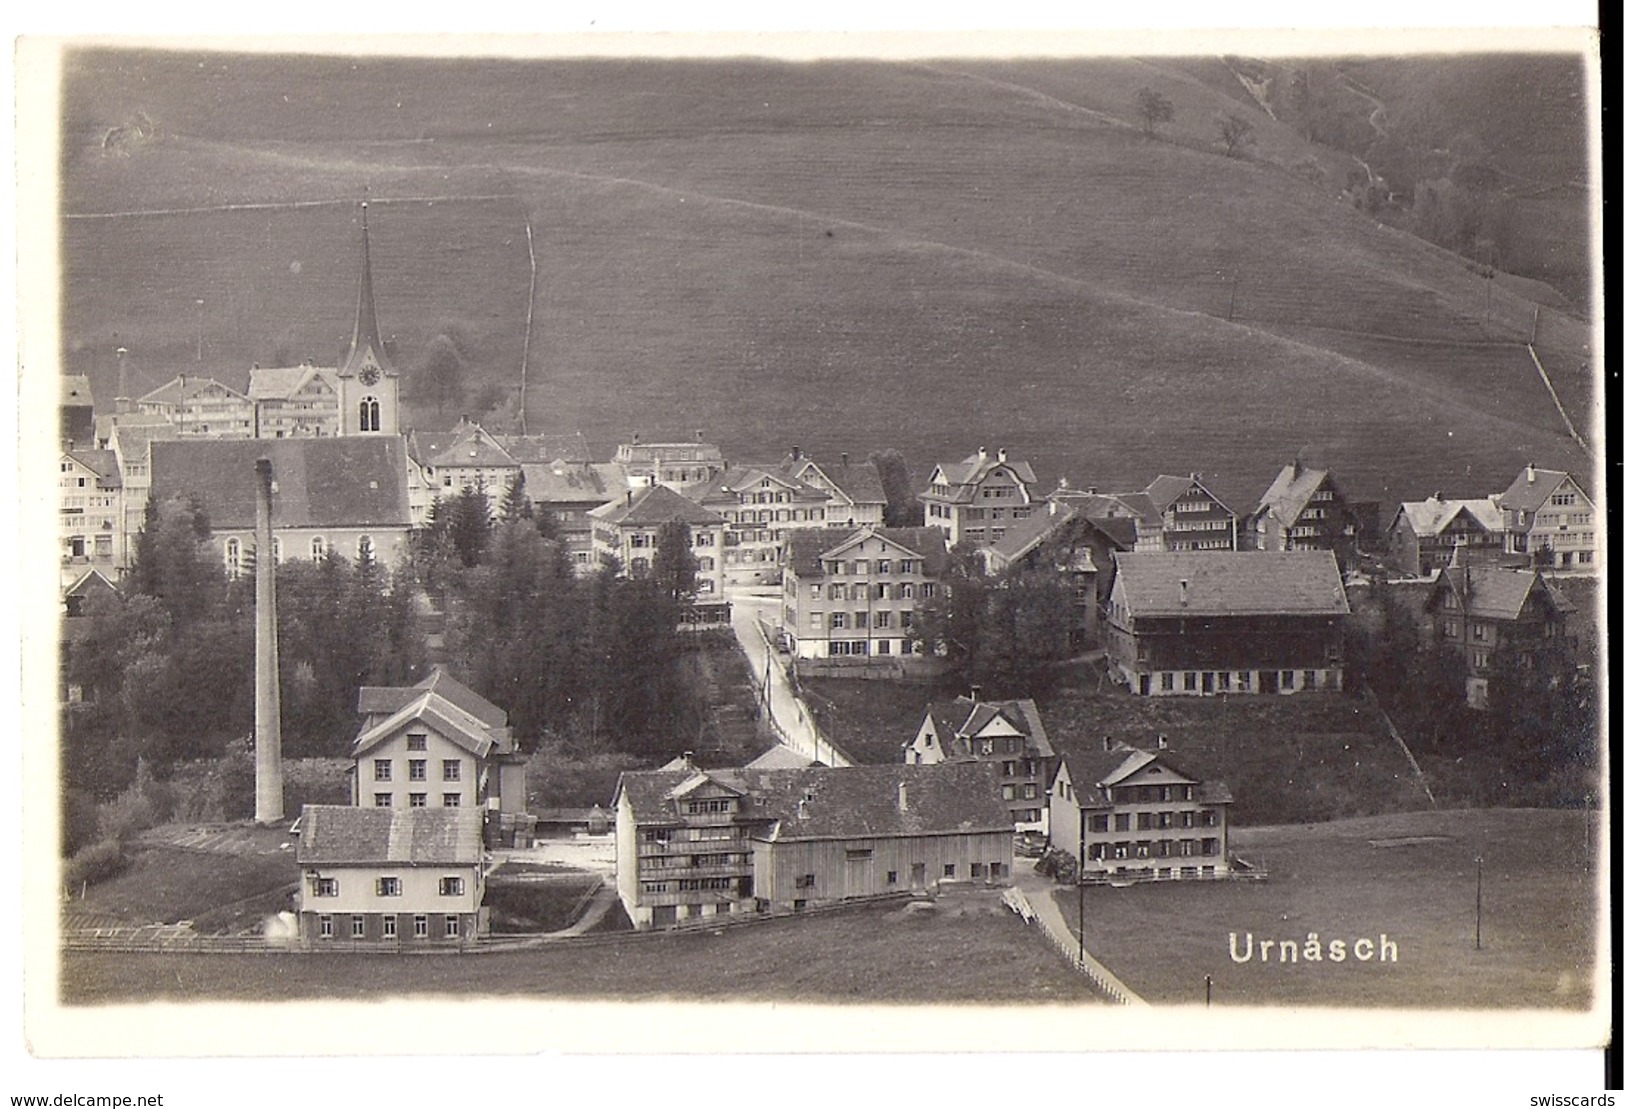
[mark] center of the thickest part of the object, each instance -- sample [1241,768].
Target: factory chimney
[267,688]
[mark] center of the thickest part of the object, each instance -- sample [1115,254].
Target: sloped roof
[366,342]
[568,446]
[1289,493]
[654,505]
[184,388]
[574,483]
[467,444]
[473,736]
[336,482]
[859,482]
[848,802]
[963,476]
[1524,495]
[374,700]
[92,581]
[1094,769]
[1232,583]
[76,390]
[966,717]
[726,486]
[1165,489]
[129,434]
[103,463]
[337,834]
[1495,593]
[1432,516]
[1023,536]
[779,757]
[804,548]
[281,382]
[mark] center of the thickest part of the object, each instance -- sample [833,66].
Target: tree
[675,567]
[903,508]
[1235,131]
[469,524]
[515,504]
[1154,109]
[440,377]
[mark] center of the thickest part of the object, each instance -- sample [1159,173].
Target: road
[752,608]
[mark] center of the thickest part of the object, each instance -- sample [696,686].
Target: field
[1411,877]
[782,253]
[969,949]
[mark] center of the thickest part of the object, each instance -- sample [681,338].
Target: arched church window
[370,417]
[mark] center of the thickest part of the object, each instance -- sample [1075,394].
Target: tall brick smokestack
[267,687]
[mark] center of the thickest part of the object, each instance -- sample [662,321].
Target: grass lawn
[966,950]
[219,891]
[1409,876]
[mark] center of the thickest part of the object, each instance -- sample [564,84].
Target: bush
[1057,865]
[95,863]
[80,825]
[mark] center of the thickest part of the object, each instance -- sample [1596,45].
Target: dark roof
[726,486]
[859,482]
[574,483]
[336,834]
[382,700]
[848,802]
[569,446]
[1232,583]
[1495,593]
[339,482]
[655,505]
[1432,516]
[103,463]
[92,581]
[804,548]
[1531,489]
[1165,489]
[366,344]
[467,444]
[1092,768]
[965,716]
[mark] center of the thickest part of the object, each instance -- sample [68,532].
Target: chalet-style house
[1550,519]
[1494,616]
[466,457]
[857,497]
[436,744]
[90,513]
[976,501]
[1189,623]
[625,532]
[346,495]
[680,466]
[693,845]
[850,594]
[1132,815]
[1304,509]
[1061,537]
[201,407]
[1008,734]
[761,505]
[1130,520]
[390,877]
[1193,519]
[1425,535]
[293,402]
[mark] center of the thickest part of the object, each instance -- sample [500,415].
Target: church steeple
[366,345]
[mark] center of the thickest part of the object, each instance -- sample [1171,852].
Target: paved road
[751,609]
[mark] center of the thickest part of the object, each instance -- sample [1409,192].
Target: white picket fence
[1070,946]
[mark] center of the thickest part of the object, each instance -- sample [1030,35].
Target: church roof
[366,345]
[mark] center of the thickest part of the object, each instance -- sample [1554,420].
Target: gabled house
[1493,616]
[568,492]
[1130,520]
[466,457]
[1550,519]
[1193,519]
[201,407]
[625,533]
[857,496]
[90,513]
[1006,734]
[850,595]
[129,437]
[1425,535]
[346,495]
[1207,623]
[293,402]
[1304,509]
[390,877]
[977,501]
[436,744]
[693,845]
[1060,537]
[761,505]
[1130,815]
[683,466]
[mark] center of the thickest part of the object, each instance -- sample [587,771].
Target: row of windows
[388,886]
[861,566]
[417,770]
[420,926]
[880,621]
[418,800]
[995,513]
[1192,682]
[234,551]
[862,647]
[1145,821]
[1153,849]
[771,515]
[1026,793]
[666,835]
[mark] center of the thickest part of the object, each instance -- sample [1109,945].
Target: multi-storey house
[1550,519]
[293,402]
[978,500]
[201,407]
[1060,537]
[1127,815]
[680,466]
[1494,617]
[130,438]
[1130,520]
[346,495]
[465,458]
[1193,519]
[436,744]
[693,845]
[1007,734]
[850,594]
[1304,509]
[857,497]
[568,492]
[1190,623]
[390,877]
[90,513]
[761,505]
[1425,535]
[626,533]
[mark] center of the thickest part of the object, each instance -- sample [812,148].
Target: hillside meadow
[843,255]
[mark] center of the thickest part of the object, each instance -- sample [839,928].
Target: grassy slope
[963,952]
[1538,935]
[771,251]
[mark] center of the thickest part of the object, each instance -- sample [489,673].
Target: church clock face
[369,375]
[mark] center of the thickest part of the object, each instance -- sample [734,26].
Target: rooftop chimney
[699,435]
[981,454]
[635,438]
[1162,743]
[1106,743]
[902,796]
[1092,490]
[1529,473]
[975,693]
[267,687]
[1184,591]
[795,454]
[1002,454]
[845,459]
[1063,482]
[688,759]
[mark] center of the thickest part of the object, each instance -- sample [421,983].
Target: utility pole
[1208,980]
[200,329]
[1478,908]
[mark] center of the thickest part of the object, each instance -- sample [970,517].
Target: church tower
[369,387]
